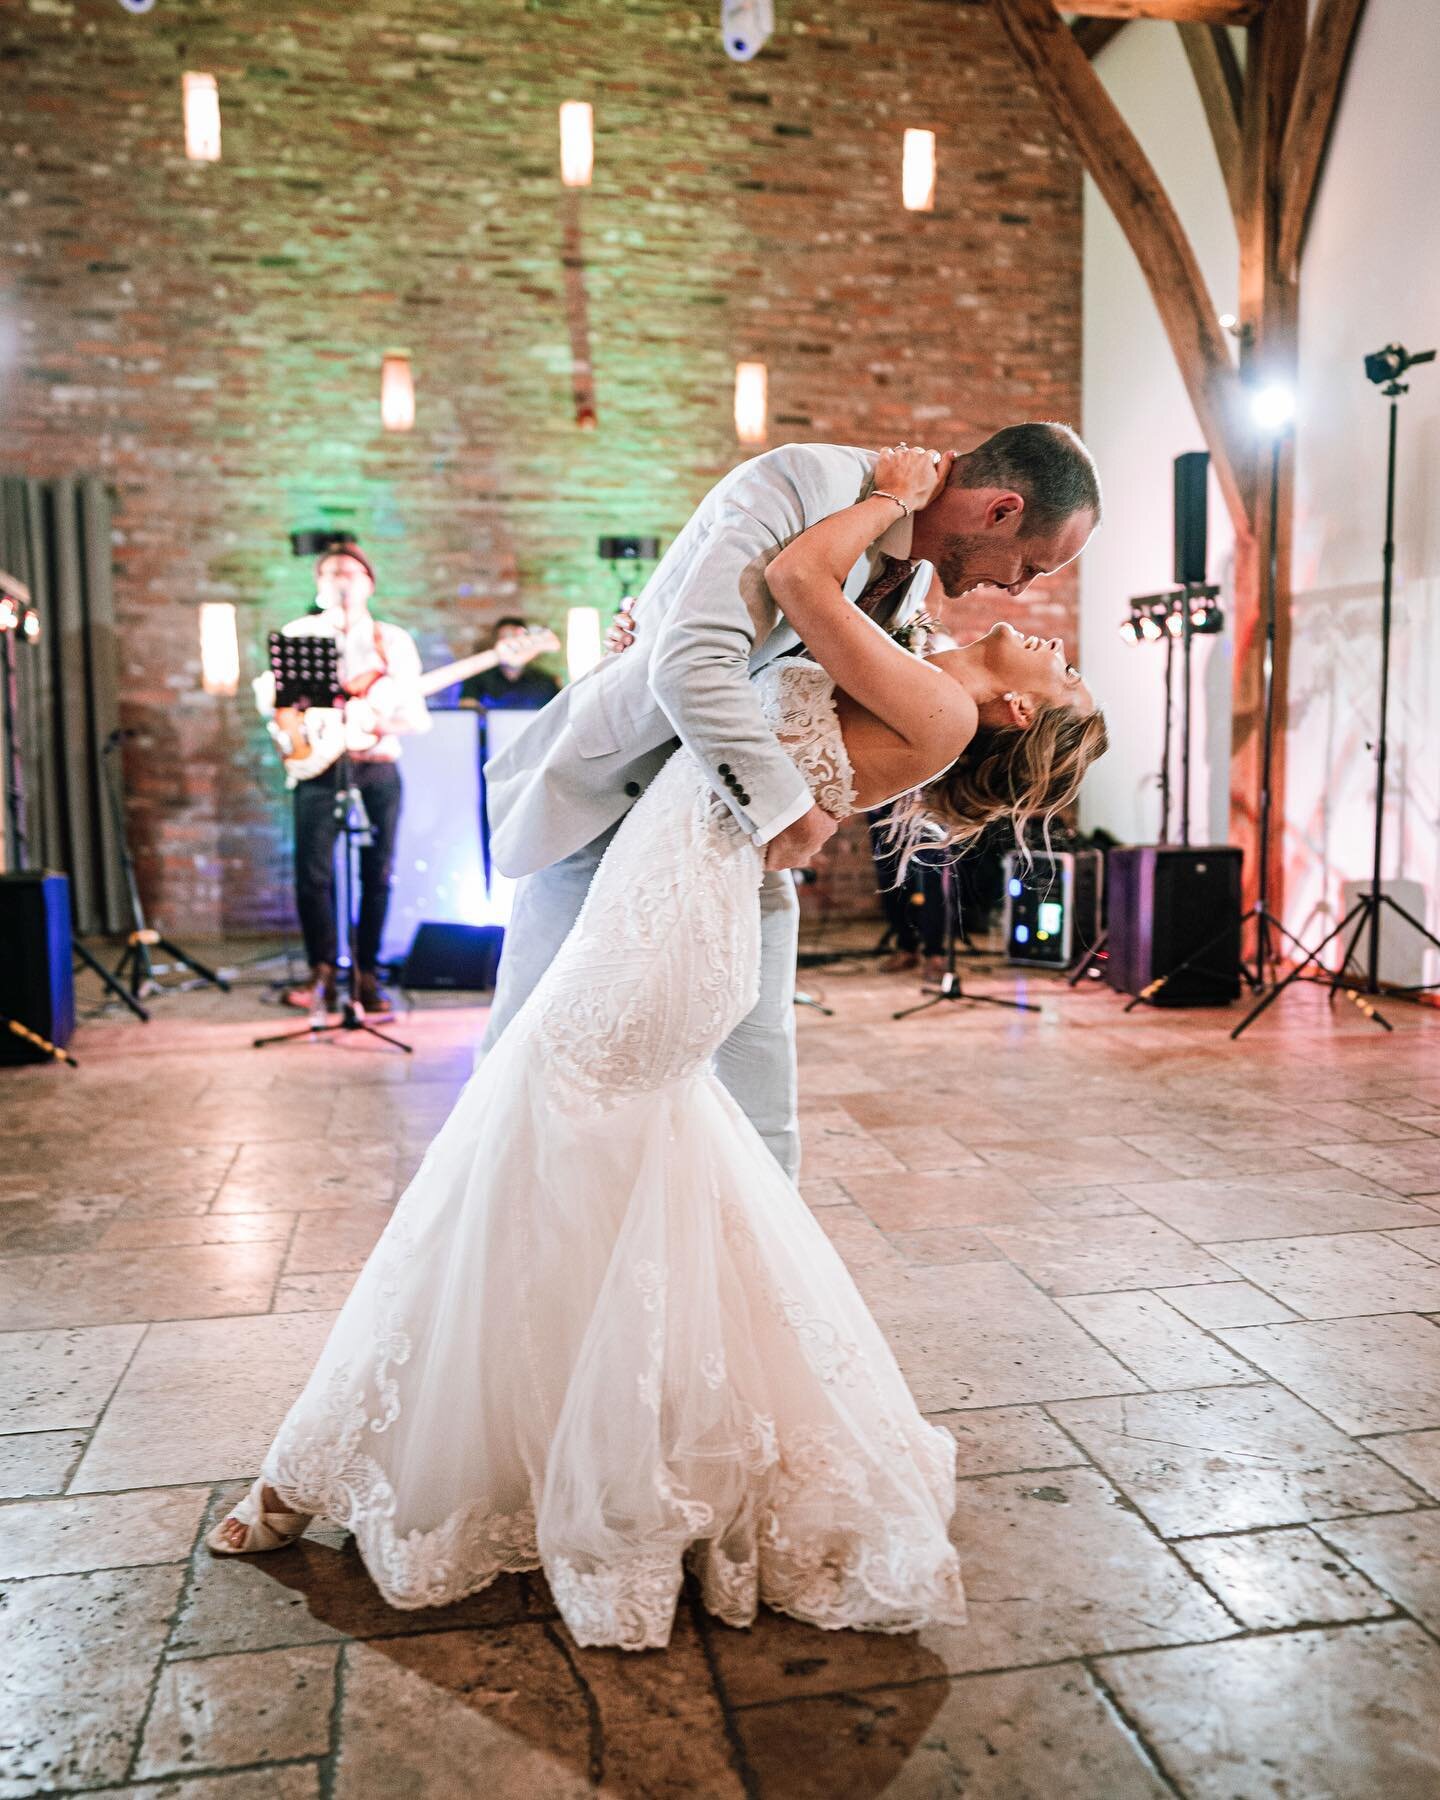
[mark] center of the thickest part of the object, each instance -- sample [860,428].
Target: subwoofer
[1166,902]
[454,956]
[37,981]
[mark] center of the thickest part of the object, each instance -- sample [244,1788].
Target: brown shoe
[319,996]
[370,993]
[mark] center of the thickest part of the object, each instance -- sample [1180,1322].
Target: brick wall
[209,336]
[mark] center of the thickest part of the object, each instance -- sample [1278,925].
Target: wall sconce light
[917,171]
[219,648]
[577,143]
[752,386]
[397,392]
[583,648]
[202,116]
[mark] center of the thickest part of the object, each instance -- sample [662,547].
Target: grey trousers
[756,1063]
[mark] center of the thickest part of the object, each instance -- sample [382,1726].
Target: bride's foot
[258,1522]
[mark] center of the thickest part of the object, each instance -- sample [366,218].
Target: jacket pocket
[590,725]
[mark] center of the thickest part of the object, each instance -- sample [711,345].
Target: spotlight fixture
[1273,407]
[202,116]
[1385,367]
[1130,629]
[1150,627]
[917,171]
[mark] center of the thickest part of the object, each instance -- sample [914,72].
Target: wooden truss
[1269,121]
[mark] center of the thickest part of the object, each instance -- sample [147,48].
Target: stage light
[219,648]
[1130,629]
[202,116]
[1273,406]
[917,171]
[1149,628]
[577,143]
[583,648]
[751,398]
[30,625]
[397,392]
[10,613]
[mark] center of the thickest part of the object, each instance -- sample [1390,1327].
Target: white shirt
[367,645]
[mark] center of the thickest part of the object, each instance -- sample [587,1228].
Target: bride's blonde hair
[1029,776]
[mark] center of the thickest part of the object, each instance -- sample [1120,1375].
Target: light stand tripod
[1384,368]
[950,988]
[134,974]
[294,662]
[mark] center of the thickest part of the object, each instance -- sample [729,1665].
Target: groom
[1022,504]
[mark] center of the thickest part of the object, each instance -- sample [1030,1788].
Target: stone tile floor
[1178,1300]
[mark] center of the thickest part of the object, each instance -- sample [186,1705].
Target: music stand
[307,673]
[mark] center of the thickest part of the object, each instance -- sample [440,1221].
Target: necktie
[881,599]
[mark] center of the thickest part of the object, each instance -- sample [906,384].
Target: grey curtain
[55,537]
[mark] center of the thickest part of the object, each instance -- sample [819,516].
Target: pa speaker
[1166,903]
[453,956]
[1052,907]
[37,981]
[1192,516]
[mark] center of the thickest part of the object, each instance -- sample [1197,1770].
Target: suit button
[632,788]
[743,797]
[722,768]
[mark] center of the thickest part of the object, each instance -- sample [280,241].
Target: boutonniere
[914,634]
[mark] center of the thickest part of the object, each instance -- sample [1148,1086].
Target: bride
[602,1333]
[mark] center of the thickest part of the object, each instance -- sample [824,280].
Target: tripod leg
[189,962]
[1089,957]
[385,1038]
[1358,912]
[996,1000]
[924,1006]
[116,986]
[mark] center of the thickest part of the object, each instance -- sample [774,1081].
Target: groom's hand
[794,847]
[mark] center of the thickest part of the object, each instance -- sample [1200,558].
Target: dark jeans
[316,829]
[914,911]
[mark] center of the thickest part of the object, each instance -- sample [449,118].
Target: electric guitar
[312,738]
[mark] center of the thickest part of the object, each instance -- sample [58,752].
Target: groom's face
[978,538]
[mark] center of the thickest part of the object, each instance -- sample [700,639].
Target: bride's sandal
[263,1530]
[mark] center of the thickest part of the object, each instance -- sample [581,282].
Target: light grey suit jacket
[705,623]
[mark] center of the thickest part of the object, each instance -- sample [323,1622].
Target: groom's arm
[699,666]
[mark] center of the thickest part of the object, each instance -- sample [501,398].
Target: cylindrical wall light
[583,648]
[917,171]
[219,648]
[397,392]
[752,386]
[202,116]
[577,143]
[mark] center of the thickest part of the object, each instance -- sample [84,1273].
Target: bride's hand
[913,475]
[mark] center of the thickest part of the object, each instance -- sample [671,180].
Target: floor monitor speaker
[1165,902]
[454,956]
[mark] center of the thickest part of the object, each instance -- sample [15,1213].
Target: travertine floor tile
[929,1200]
[38,1462]
[1230,1459]
[1338,1277]
[1005,1439]
[1092,1256]
[1036,1734]
[128,1233]
[1064,1161]
[1377,1374]
[1241,1719]
[339,1237]
[114,1286]
[1400,1554]
[835,1145]
[51,1224]
[228,1711]
[202,1400]
[80,1652]
[111,1531]
[1414,1453]
[301,1177]
[1408,1168]
[314,1293]
[945,1244]
[980,1335]
[1163,1348]
[1212,1211]
[1212,1304]
[53,1379]
[292,1781]
[1275,1579]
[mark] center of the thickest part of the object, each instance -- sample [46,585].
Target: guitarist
[380,670]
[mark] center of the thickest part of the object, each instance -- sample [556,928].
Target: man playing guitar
[380,670]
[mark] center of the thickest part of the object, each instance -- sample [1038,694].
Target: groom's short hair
[1045,463]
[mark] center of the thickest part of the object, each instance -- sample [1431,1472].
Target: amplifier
[1164,903]
[37,980]
[1052,907]
[454,956]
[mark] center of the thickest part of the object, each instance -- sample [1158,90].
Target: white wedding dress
[602,1334]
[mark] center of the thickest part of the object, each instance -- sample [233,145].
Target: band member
[514,683]
[380,670]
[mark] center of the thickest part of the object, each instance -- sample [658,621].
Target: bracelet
[881,494]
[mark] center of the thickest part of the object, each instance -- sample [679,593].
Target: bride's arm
[928,709]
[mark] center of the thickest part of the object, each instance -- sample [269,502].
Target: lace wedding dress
[602,1334]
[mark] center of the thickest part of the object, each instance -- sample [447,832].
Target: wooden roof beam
[1218,76]
[1092,35]
[1180,12]
[1312,113]
[1123,173]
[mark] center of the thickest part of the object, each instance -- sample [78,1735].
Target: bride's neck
[967,665]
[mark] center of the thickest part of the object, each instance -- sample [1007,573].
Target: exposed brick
[209,337]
